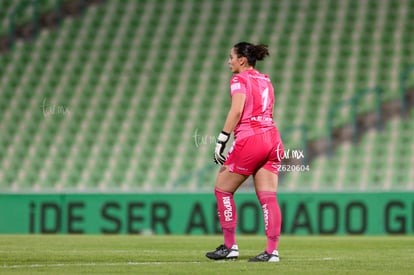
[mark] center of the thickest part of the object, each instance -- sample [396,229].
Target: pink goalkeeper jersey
[257,115]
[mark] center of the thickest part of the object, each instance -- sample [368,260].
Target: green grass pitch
[126,254]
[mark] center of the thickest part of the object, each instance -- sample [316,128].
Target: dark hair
[251,52]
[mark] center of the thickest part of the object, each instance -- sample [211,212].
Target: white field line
[92,264]
[138,263]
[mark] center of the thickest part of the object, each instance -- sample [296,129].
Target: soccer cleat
[224,253]
[266,257]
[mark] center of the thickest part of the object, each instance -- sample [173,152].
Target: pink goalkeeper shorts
[249,154]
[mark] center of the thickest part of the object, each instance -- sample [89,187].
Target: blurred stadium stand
[129,96]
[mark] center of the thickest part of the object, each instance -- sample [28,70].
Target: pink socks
[272,218]
[227,216]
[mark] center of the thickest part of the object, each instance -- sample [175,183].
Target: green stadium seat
[140,77]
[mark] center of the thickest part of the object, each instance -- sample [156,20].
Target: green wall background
[194,213]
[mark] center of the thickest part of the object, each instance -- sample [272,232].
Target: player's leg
[226,184]
[266,183]
[229,181]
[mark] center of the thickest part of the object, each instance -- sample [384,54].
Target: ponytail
[260,51]
[251,52]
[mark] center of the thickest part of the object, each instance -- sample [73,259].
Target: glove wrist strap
[223,137]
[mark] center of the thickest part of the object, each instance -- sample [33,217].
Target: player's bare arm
[235,112]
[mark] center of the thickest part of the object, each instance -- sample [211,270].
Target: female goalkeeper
[257,150]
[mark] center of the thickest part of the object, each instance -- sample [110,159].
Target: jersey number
[265,98]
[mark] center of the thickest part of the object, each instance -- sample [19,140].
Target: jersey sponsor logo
[235,86]
[261,118]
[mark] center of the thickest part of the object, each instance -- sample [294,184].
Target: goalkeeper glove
[220,145]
